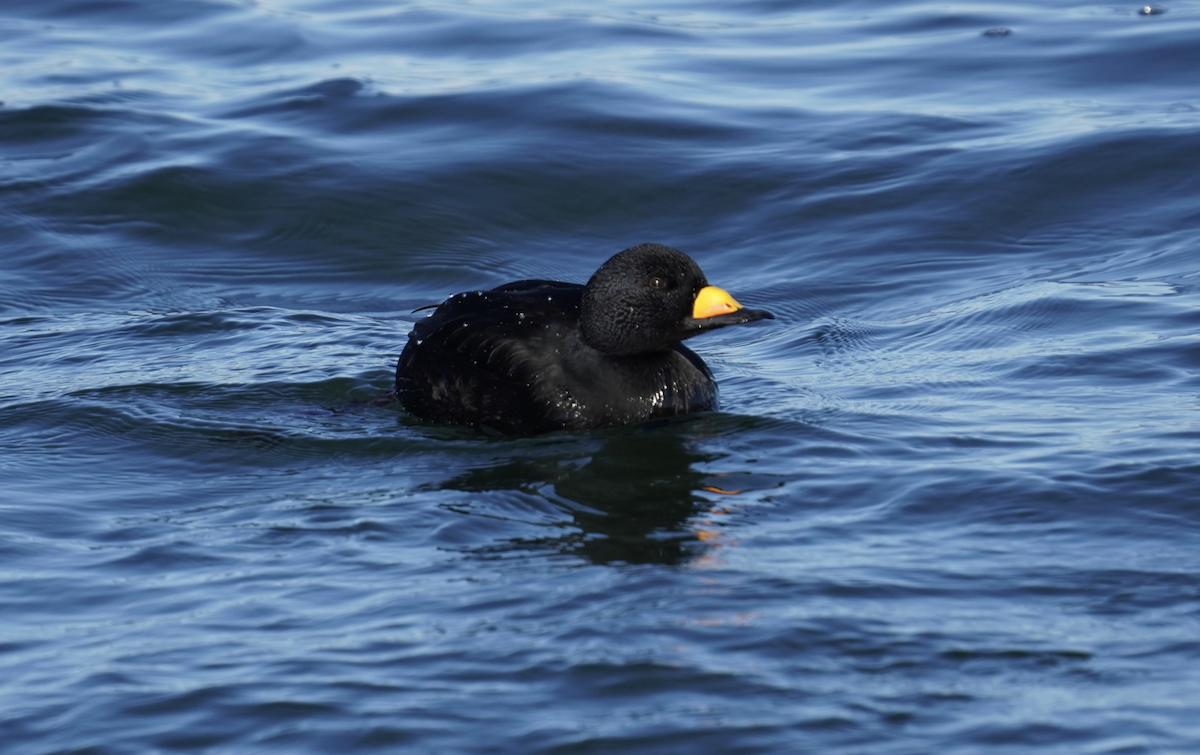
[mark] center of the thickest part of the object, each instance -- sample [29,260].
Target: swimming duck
[537,355]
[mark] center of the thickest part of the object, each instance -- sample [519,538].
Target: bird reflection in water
[636,498]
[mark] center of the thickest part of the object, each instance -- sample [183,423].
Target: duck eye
[657,282]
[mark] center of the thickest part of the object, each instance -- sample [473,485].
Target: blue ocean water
[951,503]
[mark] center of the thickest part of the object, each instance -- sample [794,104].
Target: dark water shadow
[632,497]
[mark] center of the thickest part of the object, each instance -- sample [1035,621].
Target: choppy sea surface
[951,503]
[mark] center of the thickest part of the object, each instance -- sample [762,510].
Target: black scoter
[537,355]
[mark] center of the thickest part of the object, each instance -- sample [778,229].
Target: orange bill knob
[713,301]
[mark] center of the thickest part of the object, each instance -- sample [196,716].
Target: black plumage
[536,355]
